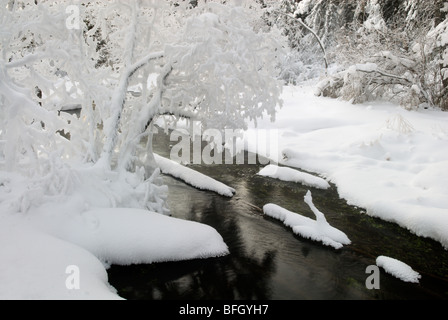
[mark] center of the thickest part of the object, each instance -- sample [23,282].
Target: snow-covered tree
[306,57]
[396,57]
[386,49]
[126,64]
[208,64]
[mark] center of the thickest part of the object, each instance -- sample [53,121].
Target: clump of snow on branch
[317,230]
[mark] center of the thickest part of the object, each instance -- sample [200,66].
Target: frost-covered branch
[144,119]
[382,77]
[118,102]
[322,46]
[119,97]
[144,61]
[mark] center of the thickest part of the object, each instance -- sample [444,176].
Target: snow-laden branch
[144,117]
[118,102]
[19,109]
[119,97]
[193,177]
[144,61]
[30,58]
[312,32]
[25,60]
[398,79]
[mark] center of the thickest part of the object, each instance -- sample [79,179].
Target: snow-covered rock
[289,174]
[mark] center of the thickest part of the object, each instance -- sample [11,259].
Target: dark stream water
[267,261]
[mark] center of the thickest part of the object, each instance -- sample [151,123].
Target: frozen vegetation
[82,191]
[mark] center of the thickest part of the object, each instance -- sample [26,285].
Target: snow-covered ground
[382,158]
[60,247]
[38,251]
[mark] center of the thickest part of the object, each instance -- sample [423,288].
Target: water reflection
[242,275]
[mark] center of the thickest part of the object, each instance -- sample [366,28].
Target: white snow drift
[34,264]
[134,236]
[36,250]
[93,224]
[317,230]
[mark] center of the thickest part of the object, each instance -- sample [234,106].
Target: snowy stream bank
[383,158]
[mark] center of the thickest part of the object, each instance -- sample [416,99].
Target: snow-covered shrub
[406,40]
[395,60]
[300,66]
[367,82]
[205,61]
[306,57]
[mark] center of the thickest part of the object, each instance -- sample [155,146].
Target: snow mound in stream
[317,230]
[193,177]
[398,269]
[289,174]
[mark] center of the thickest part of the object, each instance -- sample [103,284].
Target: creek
[267,261]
